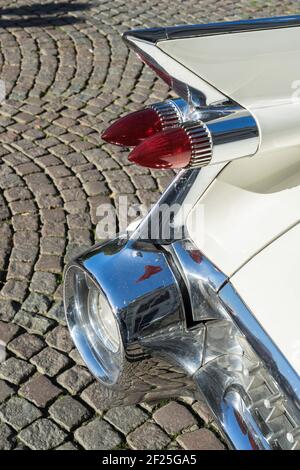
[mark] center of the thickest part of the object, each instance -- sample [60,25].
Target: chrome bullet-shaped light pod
[217,135]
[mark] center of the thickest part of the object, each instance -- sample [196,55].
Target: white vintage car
[202,297]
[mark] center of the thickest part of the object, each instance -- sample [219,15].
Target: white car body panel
[269,285]
[179,70]
[250,204]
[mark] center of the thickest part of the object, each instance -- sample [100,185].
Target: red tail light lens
[168,149]
[187,145]
[132,129]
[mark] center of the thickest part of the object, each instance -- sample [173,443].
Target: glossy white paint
[269,285]
[254,200]
[249,204]
[177,70]
[260,70]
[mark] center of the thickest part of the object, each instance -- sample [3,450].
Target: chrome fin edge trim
[154,35]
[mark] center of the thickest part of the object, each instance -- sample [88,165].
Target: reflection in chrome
[203,280]
[184,331]
[147,306]
[171,112]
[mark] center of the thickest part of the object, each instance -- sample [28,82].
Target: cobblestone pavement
[67,75]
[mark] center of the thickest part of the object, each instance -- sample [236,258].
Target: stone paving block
[75,379]
[149,437]
[26,238]
[25,220]
[6,437]
[174,418]
[53,246]
[49,263]
[94,395]
[94,188]
[40,391]
[19,270]
[33,323]
[18,412]
[202,439]
[203,411]
[8,331]
[22,207]
[97,435]
[26,254]
[57,313]
[37,303]
[68,412]
[5,391]
[77,357]
[43,434]
[15,370]
[44,283]
[26,345]
[60,339]
[14,290]
[126,418]
[8,309]
[67,446]
[49,362]
[53,230]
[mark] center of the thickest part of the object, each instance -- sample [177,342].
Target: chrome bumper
[185,332]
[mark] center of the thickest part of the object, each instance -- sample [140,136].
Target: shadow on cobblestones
[46,8]
[38,14]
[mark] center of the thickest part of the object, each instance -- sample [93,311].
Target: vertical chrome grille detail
[168,113]
[201,143]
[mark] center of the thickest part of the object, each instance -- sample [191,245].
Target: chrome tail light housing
[155,322]
[172,134]
[138,304]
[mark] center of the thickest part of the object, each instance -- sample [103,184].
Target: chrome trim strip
[185,190]
[154,35]
[275,361]
[165,230]
[234,135]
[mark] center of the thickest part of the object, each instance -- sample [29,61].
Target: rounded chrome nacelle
[125,313]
